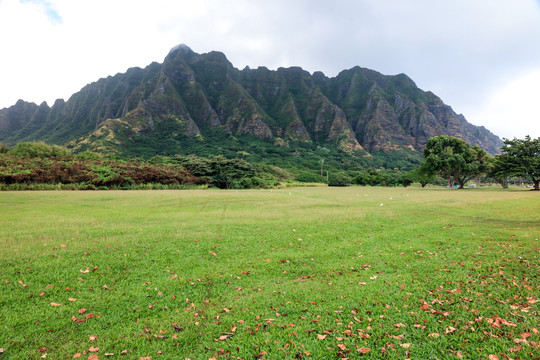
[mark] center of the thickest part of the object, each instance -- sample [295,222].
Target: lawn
[298,273]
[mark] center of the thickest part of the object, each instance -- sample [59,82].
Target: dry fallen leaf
[321,337]
[82,311]
[77,355]
[406,345]
[93,357]
[342,346]
[72,299]
[93,349]
[363,350]
[92,338]
[55,304]
[42,349]
[493,357]
[449,330]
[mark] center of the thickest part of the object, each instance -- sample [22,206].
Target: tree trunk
[536,184]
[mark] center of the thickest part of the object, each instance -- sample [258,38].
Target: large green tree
[454,159]
[521,157]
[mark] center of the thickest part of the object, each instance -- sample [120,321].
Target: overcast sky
[482,57]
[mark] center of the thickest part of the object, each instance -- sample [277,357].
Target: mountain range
[199,100]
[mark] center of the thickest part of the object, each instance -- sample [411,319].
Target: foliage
[497,171]
[89,173]
[339,180]
[3,148]
[422,175]
[38,149]
[374,177]
[88,155]
[454,159]
[226,173]
[308,177]
[519,157]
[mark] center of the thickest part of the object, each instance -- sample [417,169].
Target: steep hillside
[201,99]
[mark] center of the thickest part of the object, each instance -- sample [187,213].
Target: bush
[39,149]
[339,180]
[308,177]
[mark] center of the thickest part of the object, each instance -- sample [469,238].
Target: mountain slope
[193,98]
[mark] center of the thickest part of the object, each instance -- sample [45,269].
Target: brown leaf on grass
[434,335]
[55,304]
[92,338]
[342,346]
[72,299]
[363,350]
[124,352]
[93,349]
[399,325]
[42,349]
[525,335]
[405,345]
[459,354]
[224,337]
[2,350]
[109,354]
[449,330]
[493,357]
[515,349]
[82,311]
[77,355]
[321,337]
[93,357]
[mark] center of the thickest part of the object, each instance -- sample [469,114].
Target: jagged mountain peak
[191,95]
[181,48]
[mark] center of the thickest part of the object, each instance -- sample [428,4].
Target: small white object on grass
[381,205]
[290,194]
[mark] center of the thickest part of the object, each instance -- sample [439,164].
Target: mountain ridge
[190,95]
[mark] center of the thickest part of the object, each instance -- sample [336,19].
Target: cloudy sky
[482,57]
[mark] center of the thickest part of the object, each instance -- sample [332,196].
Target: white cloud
[512,109]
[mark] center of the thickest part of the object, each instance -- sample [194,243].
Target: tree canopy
[454,159]
[520,157]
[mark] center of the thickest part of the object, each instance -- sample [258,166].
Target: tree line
[458,162]
[448,158]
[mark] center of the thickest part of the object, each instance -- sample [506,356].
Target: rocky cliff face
[191,94]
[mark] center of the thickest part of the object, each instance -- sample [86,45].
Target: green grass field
[298,273]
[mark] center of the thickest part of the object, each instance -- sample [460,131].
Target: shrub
[39,149]
[308,177]
[339,180]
